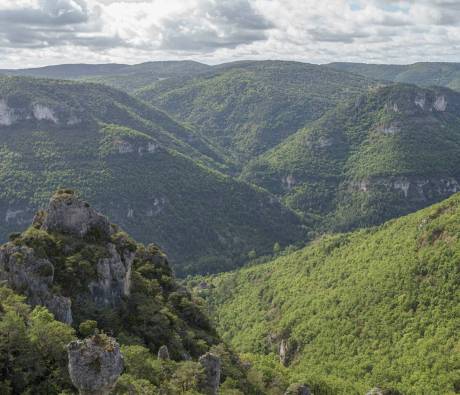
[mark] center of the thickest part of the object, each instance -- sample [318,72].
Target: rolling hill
[374,308]
[151,175]
[121,76]
[390,151]
[248,107]
[423,74]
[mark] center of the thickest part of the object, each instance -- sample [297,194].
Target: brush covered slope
[145,170]
[248,107]
[78,274]
[377,307]
[387,153]
[423,74]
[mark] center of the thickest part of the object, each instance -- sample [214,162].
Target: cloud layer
[37,32]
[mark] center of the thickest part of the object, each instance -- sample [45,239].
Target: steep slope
[248,107]
[422,74]
[94,278]
[122,76]
[377,307]
[135,162]
[24,101]
[389,152]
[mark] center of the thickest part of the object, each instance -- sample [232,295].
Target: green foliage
[249,107]
[87,328]
[33,358]
[368,160]
[373,308]
[144,372]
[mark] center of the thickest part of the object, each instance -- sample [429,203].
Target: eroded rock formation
[95,364]
[29,262]
[211,366]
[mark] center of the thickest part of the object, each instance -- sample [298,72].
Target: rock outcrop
[30,261]
[69,215]
[23,270]
[95,364]
[163,353]
[211,365]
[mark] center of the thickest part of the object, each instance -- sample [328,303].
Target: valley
[299,222]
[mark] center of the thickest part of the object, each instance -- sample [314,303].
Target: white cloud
[36,32]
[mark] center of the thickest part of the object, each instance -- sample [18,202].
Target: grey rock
[211,365]
[113,278]
[95,364]
[298,389]
[68,214]
[163,353]
[381,391]
[33,276]
[284,352]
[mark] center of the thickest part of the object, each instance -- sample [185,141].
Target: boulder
[211,365]
[95,364]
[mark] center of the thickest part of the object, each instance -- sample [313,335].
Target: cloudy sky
[41,32]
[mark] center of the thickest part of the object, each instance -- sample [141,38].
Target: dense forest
[373,308]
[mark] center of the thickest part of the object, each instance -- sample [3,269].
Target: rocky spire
[95,364]
[163,353]
[211,366]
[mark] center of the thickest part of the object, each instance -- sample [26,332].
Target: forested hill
[422,73]
[388,152]
[374,308]
[122,76]
[152,175]
[248,107]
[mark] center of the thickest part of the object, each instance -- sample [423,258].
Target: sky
[42,32]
